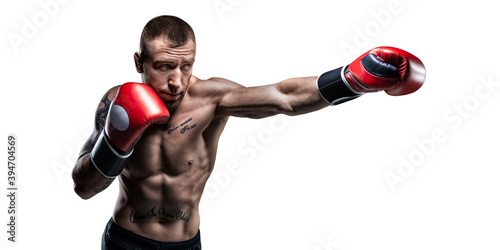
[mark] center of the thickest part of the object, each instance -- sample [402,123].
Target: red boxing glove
[135,107]
[393,70]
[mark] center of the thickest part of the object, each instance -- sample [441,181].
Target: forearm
[88,181]
[300,95]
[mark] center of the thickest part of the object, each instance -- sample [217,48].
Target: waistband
[135,239]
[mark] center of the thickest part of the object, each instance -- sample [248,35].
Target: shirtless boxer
[160,137]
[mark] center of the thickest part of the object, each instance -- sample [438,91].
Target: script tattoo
[100,116]
[136,216]
[184,127]
[97,190]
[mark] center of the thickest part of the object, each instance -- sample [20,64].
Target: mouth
[169,96]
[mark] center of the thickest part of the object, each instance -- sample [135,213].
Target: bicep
[252,102]
[293,96]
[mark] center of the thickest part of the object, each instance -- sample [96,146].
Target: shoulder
[212,87]
[110,93]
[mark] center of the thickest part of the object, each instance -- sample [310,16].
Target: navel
[190,163]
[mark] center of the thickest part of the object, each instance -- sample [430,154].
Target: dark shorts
[116,237]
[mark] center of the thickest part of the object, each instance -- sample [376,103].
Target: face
[167,70]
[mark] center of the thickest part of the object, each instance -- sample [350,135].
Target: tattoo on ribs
[101,114]
[136,216]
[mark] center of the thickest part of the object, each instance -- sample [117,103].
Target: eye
[163,67]
[186,66]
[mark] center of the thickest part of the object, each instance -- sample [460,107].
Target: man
[160,137]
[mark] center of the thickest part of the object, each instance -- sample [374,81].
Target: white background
[317,181]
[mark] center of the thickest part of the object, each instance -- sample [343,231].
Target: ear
[138,62]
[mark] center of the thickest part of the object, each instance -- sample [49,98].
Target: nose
[174,80]
[174,84]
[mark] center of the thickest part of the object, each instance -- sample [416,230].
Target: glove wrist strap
[108,159]
[334,87]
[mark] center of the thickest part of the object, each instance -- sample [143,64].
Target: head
[166,57]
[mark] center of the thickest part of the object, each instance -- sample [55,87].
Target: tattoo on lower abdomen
[136,215]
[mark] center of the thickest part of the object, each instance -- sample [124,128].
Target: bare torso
[163,180]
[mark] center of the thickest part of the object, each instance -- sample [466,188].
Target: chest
[177,147]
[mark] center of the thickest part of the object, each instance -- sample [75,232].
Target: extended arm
[292,97]
[392,70]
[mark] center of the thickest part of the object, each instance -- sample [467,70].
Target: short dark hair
[176,31]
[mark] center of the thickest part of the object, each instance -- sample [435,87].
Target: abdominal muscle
[156,214]
[161,187]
